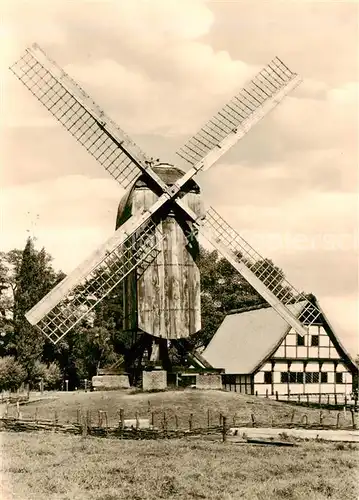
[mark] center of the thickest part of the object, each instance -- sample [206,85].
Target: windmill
[153,250]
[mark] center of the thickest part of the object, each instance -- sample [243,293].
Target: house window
[284,377]
[299,377]
[324,377]
[315,340]
[312,377]
[300,339]
[339,378]
[267,377]
[229,379]
[296,377]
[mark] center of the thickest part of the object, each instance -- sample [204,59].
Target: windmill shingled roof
[169,175]
[245,339]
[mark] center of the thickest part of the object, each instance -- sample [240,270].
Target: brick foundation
[208,381]
[154,380]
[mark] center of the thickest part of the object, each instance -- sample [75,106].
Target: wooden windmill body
[154,249]
[164,300]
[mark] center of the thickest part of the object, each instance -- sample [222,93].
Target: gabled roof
[245,340]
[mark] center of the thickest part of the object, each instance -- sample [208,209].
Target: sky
[161,69]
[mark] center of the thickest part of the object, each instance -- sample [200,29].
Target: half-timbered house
[260,354]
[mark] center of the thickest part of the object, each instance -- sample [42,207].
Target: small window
[315,340]
[300,339]
[300,377]
[324,377]
[284,377]
[267,377]
[312,377]
[339,378]
[229,379]
[296,377]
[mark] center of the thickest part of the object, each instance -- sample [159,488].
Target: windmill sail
[72,299]
[135,243]
[262,94]
[77,112]
[259,272]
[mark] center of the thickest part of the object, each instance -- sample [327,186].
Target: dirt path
[236,433]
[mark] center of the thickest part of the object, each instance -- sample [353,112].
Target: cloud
[70,216]
[161,69]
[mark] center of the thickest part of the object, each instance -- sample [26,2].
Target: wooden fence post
[307,399]
[106,421]
[328,400]
[122,419]
[353,418]
[224,428]
[276,395]
[338,419]
[298,398]
[256,393]
[253,420]
[176,421]
[267,393]
[164,421]
[305,419]
[220,419]
[335,399]
[84,426]
[190,421]
[88,419]
[320,417]
[152,418]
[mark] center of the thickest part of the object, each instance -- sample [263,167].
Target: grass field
[182,403]
[57,467]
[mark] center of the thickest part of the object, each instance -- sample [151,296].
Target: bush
[50,374]
[53,376]
[12,374]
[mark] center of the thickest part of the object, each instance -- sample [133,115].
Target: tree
[32,278]
[12,374]
[223,289]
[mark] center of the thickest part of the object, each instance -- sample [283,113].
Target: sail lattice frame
[84,125]
[239,111]
[262,268]
[137,252]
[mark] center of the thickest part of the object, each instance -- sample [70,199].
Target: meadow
[58,467]
[43,466]
[67,406]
